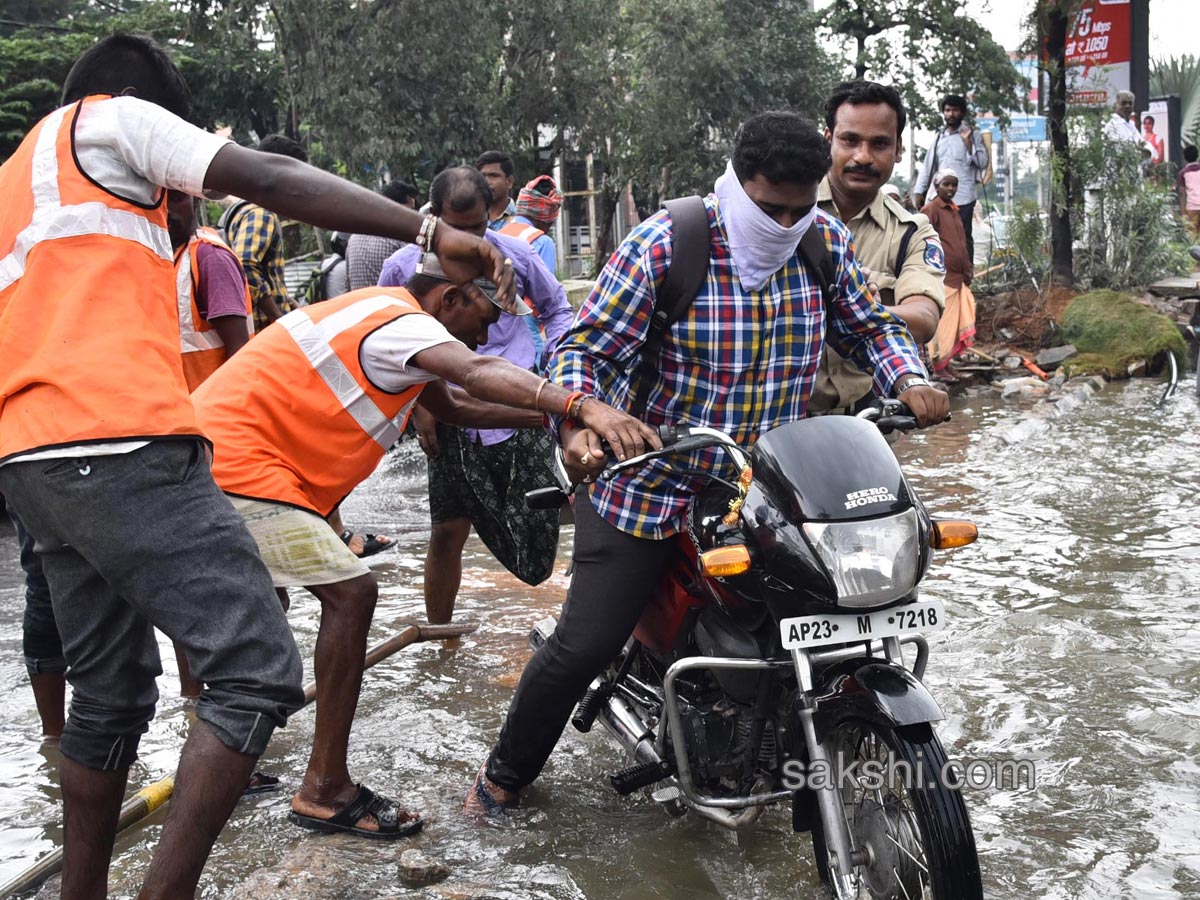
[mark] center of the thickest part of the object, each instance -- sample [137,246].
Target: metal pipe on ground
[153,797]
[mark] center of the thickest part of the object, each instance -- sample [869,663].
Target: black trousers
[614,577]
[967,213]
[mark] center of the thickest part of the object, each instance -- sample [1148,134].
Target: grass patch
[1112,330]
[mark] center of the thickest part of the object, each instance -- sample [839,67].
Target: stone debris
[1027,387]
[1055,356]
[1063,399]
[417,869]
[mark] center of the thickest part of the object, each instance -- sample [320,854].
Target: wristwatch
[908,381]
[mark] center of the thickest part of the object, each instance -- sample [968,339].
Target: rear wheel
[913,832]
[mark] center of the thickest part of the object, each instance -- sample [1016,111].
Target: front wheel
[910,829]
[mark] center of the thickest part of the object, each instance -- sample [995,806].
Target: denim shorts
[143,540]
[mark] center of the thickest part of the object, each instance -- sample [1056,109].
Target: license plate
[817,631]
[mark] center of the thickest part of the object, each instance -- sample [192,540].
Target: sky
[1174,24]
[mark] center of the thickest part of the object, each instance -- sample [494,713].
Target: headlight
[873,562]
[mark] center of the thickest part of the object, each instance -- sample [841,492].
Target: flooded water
[1074,642]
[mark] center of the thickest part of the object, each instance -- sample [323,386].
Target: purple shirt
[512,337]
[222,283]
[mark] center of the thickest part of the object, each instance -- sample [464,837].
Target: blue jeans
[145,540]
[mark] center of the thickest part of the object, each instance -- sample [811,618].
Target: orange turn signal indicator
[949,533]
[724,561]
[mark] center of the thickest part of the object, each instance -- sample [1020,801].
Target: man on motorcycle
[742,360]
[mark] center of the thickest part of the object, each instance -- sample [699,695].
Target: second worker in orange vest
[304,413]
[215,318]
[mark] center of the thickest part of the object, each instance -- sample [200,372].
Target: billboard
[1022,128]
[1098,52]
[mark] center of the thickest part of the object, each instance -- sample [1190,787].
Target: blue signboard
[1022,128]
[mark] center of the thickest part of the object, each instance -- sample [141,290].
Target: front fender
[873,690]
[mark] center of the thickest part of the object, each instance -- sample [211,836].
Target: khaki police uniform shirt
[878,231]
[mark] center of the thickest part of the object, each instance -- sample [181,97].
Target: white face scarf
[760,246]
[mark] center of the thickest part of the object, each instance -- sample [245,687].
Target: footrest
[589,707]
[637,777]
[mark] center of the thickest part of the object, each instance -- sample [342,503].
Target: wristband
[571,398]
[577,409]
[537,398]
[425,234]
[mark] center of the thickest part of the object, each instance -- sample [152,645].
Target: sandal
[372,544]
[365,803]
[261,783]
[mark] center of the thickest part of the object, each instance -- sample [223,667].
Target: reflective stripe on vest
[526,233]
[314,341]
[191,340]
[51,220]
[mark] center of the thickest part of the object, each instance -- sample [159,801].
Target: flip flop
[261,783]
[365,802]
[372,544]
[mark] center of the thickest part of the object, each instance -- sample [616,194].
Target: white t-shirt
[133,148]
[385,352]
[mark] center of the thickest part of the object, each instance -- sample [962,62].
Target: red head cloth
[540,200]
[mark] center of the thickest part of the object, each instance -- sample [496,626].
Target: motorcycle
[769,669]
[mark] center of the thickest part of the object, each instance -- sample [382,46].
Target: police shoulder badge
[935,257]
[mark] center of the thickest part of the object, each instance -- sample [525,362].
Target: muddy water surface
[1074,642]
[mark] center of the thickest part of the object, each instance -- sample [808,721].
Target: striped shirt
[740,361]
[257,239]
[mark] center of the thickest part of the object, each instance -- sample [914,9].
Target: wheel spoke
[908,853]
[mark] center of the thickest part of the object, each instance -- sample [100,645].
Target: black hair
[420,285]
[282,145]
[858,93]
[123,61]
[956,100]
[400,192]
[459,188]
[1149,119]
[782,147]
[1190,154]
[495,156]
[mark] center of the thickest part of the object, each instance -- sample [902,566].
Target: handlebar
[887,415]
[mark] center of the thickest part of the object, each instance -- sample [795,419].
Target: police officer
[898,249]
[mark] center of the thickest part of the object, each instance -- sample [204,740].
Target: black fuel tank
[828,468]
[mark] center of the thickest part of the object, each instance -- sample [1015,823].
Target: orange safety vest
[202,348]
[520,230]
[89,346]
[293,417]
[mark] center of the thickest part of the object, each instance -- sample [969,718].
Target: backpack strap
[902,252]
[690,249]
[816,255]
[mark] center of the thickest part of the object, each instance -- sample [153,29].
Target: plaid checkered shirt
[743,362]
[257,240]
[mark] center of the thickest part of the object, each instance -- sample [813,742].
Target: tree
[233,80]
[926,46]
[1180,75]
[1053,19]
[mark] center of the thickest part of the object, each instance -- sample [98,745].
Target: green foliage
[1112,330]
[1180,75]
[1136,236]
[1024,261]
[234,81]
[927,47]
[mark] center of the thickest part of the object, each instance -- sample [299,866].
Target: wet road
[1074,641]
